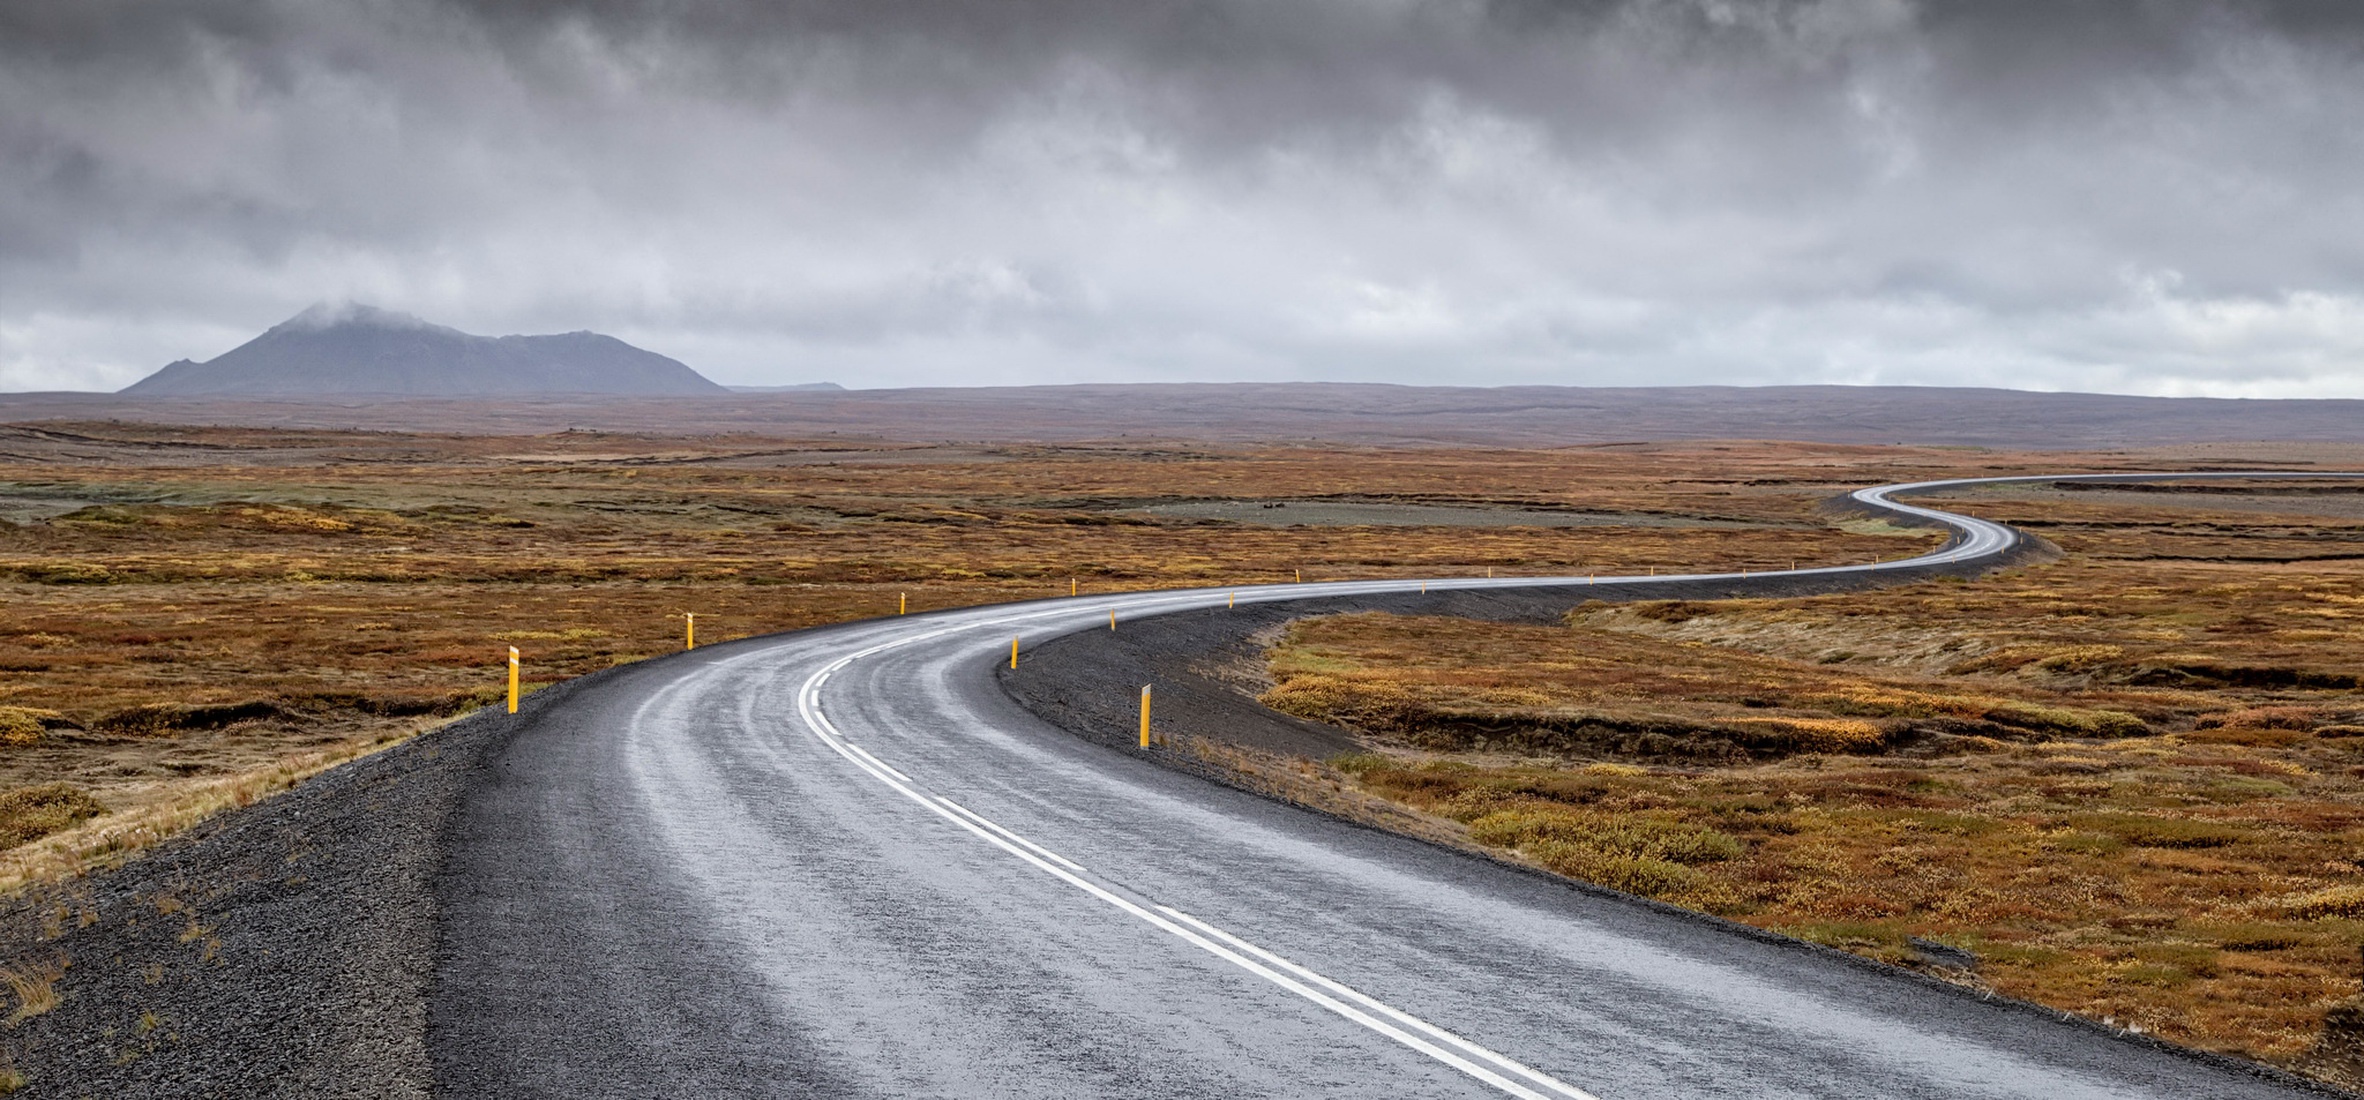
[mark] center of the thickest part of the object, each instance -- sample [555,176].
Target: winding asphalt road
[842,862]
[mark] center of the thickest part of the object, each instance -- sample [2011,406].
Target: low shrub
[1833,735]
[24,725]
[2071,721]
[2146,831]
[1360,764]
[2335,901]
[158,719]
[1635,874]
[1375,705]
[2264,718]
[63,572]
[2257,936]
[30,813]
[2252,736]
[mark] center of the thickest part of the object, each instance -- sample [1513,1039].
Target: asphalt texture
[848,862]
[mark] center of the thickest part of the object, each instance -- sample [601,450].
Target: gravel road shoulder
[1088,682]
[281,949]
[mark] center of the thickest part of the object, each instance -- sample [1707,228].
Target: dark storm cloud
[2151,196]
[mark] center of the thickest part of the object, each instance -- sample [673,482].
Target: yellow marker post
[1071,586]
[902,603]
[689,638]
[1300,576]
[1489,572]
[512,679]
[1424,588]
[1112,619]
[1013,653]
[1145,716]
[1233,601]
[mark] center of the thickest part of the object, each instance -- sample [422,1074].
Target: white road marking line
[1286,978]
[1374,1004]
[1037,849]
[883,765]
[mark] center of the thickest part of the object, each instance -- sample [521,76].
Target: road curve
[842,862]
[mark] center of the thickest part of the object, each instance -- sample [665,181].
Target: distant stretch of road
[842,862]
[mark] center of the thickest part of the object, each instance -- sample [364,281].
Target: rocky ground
[285,948]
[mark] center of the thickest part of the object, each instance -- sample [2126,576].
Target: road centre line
[1367,1001]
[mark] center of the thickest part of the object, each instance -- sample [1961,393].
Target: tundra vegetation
[2123,781]
[2128,783]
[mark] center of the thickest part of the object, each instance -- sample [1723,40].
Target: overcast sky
[2145,197]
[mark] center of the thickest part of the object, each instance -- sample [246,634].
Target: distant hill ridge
[358,349]
[1298,413]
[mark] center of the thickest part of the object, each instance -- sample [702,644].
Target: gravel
[284,949]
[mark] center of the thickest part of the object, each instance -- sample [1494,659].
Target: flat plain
[2126,783]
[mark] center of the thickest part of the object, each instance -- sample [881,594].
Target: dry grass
[92,840]
[35,986]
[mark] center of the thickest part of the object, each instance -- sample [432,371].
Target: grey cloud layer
[2153,197]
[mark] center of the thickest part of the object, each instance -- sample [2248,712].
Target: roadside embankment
[290,942]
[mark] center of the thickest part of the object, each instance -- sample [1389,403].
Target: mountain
[357,349]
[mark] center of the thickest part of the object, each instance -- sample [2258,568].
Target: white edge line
[882,765]
[1038,849]
[1382,1007]
[831,736]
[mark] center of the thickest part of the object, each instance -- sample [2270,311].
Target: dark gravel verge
[284,949]
[1088,683]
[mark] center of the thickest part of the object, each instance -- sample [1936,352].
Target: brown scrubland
[2128,783]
